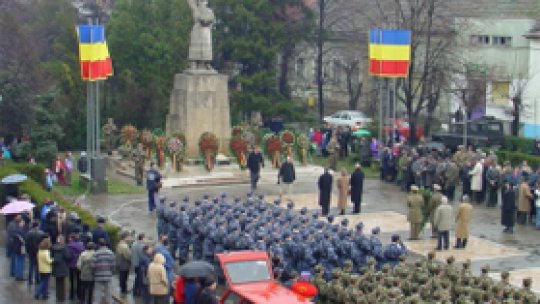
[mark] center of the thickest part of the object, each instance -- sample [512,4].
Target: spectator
[325,191]
[44,262]
[537,204]
[443,223]
[144,262]
[508,208]
[103,265]
[48,180]
[33,239]
[18,250]
[179,295]
[68,164]
[207,294]
[11,232]
[60,270]
[100,233]
[59,170]
[136,253]
[476,180]
[84,265]
[76,247]
[163,248]
[157,280]
[82,164]
[524,204]
[357,187]
[123,261]
[395,251]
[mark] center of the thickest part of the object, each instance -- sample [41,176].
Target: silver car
[353,119]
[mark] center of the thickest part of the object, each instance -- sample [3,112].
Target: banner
[93,53]
[389,52]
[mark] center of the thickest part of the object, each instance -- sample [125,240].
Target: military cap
[527,282]
[206,196]
[450,260]
[371,261]
[315,214]
[347,263]
[395,238]
[172,203]
[414,188]
[485,268]
[505,275]
[344,222]
[359,226]
[431,255]
[277,202]
[436,187]
[186,198]
[237,199]
[198,202]
[290,205]
[330,218]
[162,198]
[376,230]
[261,196]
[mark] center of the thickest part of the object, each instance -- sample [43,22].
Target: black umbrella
[196,269]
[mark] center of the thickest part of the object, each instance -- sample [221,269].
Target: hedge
[38,195]
[518,144]
[516,158]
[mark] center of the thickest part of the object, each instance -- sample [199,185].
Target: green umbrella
[361,132]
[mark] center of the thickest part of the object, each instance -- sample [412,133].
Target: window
[480,39]
[248,271]
[502,40]
[500,92]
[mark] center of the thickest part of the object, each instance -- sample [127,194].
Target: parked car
[250,280]
[353,119]
[402,125]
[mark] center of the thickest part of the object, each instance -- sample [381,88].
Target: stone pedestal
[200,103]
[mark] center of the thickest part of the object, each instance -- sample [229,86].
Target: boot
[458,244]
[464,243]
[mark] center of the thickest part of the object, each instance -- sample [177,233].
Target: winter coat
[103,264]
[325,189]
[254,162]
[434,201]
[84,264]
[75,249]
[157,276]
[357,185]
[524,198]
[61,258]
[508,208]
[123,256]
[33,238]
[286,173]
[463,219]
[443,217]
[476,177]
[44,261]
[207,296]
[415,202]
[343,191]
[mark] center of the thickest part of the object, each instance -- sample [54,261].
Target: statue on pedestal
[109,131]
[200,47]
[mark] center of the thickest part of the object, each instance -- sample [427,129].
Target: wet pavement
[384,206]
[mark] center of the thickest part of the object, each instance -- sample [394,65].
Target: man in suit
[357,187]
[463,219]
[325,190]
[254,163]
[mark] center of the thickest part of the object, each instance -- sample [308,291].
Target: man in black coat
[508,208]
[254,163]
[33,238]
[325,190]
[287,175]
[357,187]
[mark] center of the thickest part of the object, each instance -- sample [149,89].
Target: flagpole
[380,92]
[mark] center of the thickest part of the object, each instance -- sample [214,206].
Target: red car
[250,280]
[402,126]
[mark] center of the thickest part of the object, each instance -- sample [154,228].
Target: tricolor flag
[389,52]
[93,53]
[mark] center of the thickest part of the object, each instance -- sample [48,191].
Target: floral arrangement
[273,147]
[287,137]
[303,146]
[176,149]
[239,148]
[236,131]
[208,146]
[147,138]
[249,137]
[129,134]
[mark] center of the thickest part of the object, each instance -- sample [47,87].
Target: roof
[268,293]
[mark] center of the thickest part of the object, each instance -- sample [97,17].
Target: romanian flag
[389,52]
[93,53]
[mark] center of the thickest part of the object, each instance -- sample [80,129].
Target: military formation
[296,241]
[426,281]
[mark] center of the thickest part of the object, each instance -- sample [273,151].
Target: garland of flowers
[160,147]
[147,138]
[303,146]
[129,134]
[176,148]
[273,148]
[237,131]
[239,148]
[288,139]
[208,146]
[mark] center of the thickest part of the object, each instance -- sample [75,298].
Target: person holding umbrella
[190,272]
[207,293]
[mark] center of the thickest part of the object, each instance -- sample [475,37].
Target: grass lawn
[348,164]
[114,187]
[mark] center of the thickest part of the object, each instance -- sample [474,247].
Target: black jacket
[357,185]
[254,162]
[286,173]
[61,256]
[325,188]
[33,238]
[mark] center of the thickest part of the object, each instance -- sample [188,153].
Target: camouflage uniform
[138,157]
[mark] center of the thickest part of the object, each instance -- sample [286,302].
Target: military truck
[485,132]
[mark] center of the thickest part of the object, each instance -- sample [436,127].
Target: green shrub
[519,144]
[35,172]
[38,195]
[516,158]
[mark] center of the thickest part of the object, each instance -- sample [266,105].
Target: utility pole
[320,44]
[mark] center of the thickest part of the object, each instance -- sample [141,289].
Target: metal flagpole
[394,104]
[380,92]
[96,120]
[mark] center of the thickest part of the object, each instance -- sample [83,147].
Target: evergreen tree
[45,131]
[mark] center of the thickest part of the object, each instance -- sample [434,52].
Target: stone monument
[199,100]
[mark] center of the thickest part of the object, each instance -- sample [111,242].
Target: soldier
[153,184]
[376,247]
[185,234]
[528,295]
[493,177]
[172,220]
[415,202]
[434,202]
[333,150]
[394,251]
[162,227]
[109,131]
[138,157]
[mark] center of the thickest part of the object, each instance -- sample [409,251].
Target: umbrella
[196,269]
[16,206]
[361,132]
[14,179]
